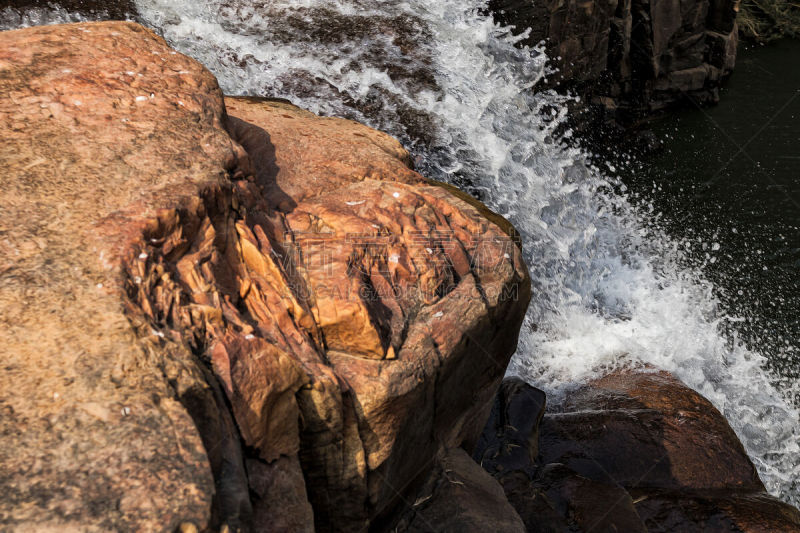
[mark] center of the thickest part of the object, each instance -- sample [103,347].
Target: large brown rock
[676,438]
[704,512]
[632,451]
[96,426]
[401,291]
[178,279]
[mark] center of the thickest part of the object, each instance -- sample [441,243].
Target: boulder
[664,512]
[401,293]
[680,440]
[548,497]
[222,311]
[632,451]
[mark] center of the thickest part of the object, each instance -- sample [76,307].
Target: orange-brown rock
[178,279]
[99,127]
[400,292]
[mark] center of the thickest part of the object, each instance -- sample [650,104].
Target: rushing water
[609,289]
[727,184]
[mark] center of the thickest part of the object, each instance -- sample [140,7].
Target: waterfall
[608,288]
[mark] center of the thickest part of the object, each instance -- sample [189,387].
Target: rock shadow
[258,145]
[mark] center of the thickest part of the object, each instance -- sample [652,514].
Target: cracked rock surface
[225,310]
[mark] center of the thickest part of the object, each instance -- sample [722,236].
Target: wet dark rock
[458,497]
[695,513]
[586,503]
[632,451]
[94,9]
[677,439]
[510,440]
[631,58]
[548,497]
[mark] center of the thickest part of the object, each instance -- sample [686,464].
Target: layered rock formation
[632,451]
[632,57]
[248,316]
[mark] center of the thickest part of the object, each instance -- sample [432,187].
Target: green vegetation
[766,20]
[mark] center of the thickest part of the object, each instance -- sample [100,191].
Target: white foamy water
[607,291]
[14,18]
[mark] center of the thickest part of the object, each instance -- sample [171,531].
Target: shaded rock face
[632,57]
[249,316]
[633,451]
[681,440]
[460,496]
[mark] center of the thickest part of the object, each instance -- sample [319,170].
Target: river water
[612,286]
[727,188]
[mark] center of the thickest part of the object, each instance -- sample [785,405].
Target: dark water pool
[728,187]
